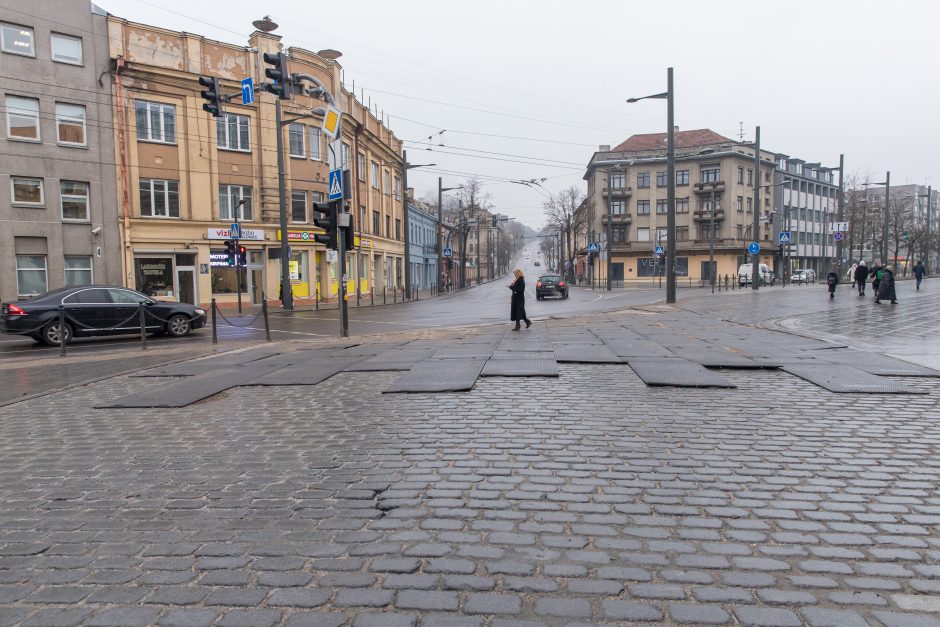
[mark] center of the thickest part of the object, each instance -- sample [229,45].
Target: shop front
[227,282]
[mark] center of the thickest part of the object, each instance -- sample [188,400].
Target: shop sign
[300,236]
[254,235]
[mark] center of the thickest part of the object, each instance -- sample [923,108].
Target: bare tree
[901,221]
[561,210]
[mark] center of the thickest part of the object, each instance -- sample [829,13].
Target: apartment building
[184,177]
[807,195]
[58,211]
[422,262]
[626,204]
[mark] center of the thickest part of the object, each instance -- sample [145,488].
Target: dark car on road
[97,310]
[550,285]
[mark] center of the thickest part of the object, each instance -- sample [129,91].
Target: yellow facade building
[184,177]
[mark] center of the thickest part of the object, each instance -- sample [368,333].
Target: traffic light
[212,94]
[324,216]
[279,73]
[349,232]
[230,252]
[242,256]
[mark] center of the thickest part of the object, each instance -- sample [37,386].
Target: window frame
[241,195]
[661,179]
[682,205]
[642,203]
[682,178]
[642,180]
[710,173]
[44,270]
[662,206]
[292,129]
[81,48]
[59,119]
[396,187]
[26,203]
[386,182]
[164,110]
[222,127]
[617,180]
[3,40]
[166,198]
[63,196]
[615,204]
[90,269]
[361,167]
[294,195]
[374,171]
[316,141]
[18,112]
[640,229]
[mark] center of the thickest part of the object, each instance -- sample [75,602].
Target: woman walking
[517,302]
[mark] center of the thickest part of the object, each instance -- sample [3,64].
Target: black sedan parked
[550,285]
[97,310]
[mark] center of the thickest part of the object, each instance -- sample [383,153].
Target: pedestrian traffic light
[242,256]
[349,233]
[230,252]
[279,73]
[212,94]
[324,216]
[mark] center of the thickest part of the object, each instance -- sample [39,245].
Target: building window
[388,227]
[31,275]
[643,234]
[739,204]
[316,140]
[361,167]
[17,40]
[682,233]
[154,275]
[317,196]
[660,179]
[711,174]
[375,175]
[70,124]
[296,137]
[661,235]
[682,177]
[397,188]
[159,198]
[232,131]
[386,183]
[376,223]
[618,181]
[298,206]
[345,156]
[619,234]
[617,207]
[66,49]
[77,270]
[740,174]
[642,207]
[750,204]
[27,191]
[397,229]
[750,176]
[156,122]
[229,198]
[682,205]
[22,118]
[642,179]
[74,200]
[661,207]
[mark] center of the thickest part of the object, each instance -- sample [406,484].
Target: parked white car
[766,274]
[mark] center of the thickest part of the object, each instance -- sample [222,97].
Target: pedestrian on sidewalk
[861,277]
[886,286]
[832,279]
[919,271]
[876,273]
[850,275]
[517,301]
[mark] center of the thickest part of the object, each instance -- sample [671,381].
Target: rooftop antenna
[740,131]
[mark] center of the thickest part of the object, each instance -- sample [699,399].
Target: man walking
[886,286]
[861,276]
[919,271]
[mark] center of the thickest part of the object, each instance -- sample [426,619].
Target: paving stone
[766,616]
[698,614]
[189,617]
[571,608]
[353,597]
[824,617]
[123,617]
[56,617]
[386,619]
[775,596]
[298,597]
[315,619]
[427,600]
[630,611]
[899,619]
[477,603]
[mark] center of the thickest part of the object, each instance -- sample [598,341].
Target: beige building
[183,176]
[629,184]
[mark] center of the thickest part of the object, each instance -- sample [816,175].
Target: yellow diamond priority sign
[331,121]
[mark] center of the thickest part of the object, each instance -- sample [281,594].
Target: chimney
[603,148]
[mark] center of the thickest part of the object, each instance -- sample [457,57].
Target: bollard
[417,293]
[316,295]
[385,295]
[142,320]
[358,292]
[63,351]
[372,296]
[264,312]
[394,295]
[215,328]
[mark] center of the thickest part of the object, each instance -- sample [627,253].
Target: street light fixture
[928,196]
[440,224]
[669,96]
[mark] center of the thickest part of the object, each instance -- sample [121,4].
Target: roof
[683,139]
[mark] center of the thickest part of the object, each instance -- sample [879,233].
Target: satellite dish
[329,53]
[265,24]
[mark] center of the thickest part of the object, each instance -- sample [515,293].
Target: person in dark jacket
[861,277]
[886,286]
[832,279]
[517,302]
[919,271]
[875,275]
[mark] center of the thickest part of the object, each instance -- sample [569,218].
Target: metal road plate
[520,367]
[638,348]
[459,351]
[191,389]
[440,375]
[717,358]
[575,338]
[677,372]
[306,373]
[875,363]
[839,378]
[394,359]
[524,346]
[199,366]
[533,354]
[586,354]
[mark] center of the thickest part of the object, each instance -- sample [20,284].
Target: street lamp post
[668,95]
[928,196]
[440,224]
[755,263]
[711,241]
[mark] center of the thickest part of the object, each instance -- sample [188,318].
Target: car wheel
[179,325]
[50,333]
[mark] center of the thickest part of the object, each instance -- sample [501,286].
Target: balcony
[705,215]
[618,192]
[708,188]
[617,218]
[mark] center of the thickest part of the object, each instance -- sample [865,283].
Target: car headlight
[200,312]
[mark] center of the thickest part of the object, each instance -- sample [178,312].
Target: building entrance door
[255,276]
[186,284]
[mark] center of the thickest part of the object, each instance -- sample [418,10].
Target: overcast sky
[529,89]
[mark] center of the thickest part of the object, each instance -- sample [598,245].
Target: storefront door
[256,276]
[186,284]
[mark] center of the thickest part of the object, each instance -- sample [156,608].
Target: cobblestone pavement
[590,499]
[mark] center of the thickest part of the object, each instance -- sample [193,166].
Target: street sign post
[753,248]
[838,236]
[784,237]
[234,231]
[331,121]
[838,227]
[448,252]
[336,185]
[248,91]
[660,250]
[592,247]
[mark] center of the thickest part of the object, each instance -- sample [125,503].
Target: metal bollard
[63,351]
[142,320]
[215,327]
[394,295]
[358,293]
[372,296]
[316,295]
[385,295]
[264,312]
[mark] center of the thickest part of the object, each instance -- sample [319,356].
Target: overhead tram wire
[420,146]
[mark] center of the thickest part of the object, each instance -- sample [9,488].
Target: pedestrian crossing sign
[336,185]
[784,237]
[660,250]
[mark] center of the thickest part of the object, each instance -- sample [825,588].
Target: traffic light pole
[287,296]
[342,222]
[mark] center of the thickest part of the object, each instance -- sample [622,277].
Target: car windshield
[549,277]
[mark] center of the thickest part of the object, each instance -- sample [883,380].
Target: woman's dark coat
[517,305]
[886,287]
